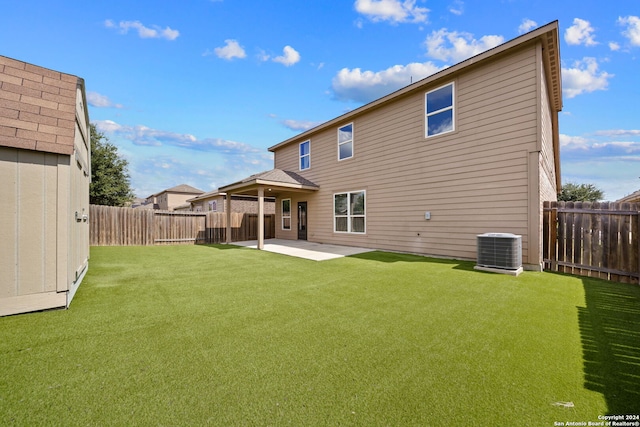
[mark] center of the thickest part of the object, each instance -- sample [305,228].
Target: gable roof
[631,198]
[547,35]
[182,188]
[275,178]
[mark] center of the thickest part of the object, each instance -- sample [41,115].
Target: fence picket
[115,226]
[593,239]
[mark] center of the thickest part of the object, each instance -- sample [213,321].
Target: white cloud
[581,32]
[145,136]
[619,132]
[263,56]
[290,56]
[101,101]
[614,46]
[107,126]
[457,8]
[230,50]
[609,159]
[633,28]
[299,125]
[394,11]
[584,77]
[161,159]
[526,26]
[458,46]
[365,86]
[573,141]
[144,32]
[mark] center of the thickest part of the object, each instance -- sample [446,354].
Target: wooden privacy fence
[114,226]
[592,239]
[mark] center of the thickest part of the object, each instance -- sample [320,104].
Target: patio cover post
[260,218]
[227,210]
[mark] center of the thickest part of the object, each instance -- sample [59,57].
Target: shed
[45,154]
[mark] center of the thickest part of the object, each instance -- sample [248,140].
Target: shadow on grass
[222,246]
[391,257]
[610,334]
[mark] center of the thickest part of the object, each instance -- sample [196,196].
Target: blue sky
[194,91]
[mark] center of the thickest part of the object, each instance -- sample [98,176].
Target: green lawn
[229,336]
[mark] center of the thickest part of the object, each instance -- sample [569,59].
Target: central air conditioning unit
[500,252]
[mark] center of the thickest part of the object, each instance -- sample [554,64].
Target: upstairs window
[349,212]
[286,214]
[345,142]
[439,110]
[305,155]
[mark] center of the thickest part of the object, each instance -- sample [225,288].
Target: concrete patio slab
[305,249]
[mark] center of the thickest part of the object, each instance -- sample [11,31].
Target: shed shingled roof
[37,107]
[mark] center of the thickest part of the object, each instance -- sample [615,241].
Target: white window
[286,214]
[349,215]
[213,205]
[345,142]
[439,117]
[305,155]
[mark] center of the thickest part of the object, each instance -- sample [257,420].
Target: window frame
[350,216]
[301,156]
[346,142]
[452,107]
[283,216]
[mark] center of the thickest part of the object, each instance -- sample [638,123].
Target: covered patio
[265,184]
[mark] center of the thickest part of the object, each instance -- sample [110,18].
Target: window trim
[300,156]
[349,215]
[282,215]
[452,108]
[345,142]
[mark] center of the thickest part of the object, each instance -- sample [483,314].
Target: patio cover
[270,183]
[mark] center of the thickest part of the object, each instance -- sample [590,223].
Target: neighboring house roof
[182,188]
[547,34]
[274,177]
[631,198]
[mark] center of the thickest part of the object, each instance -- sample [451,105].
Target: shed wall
[29,213]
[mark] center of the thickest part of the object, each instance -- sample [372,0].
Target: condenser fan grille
[500,250]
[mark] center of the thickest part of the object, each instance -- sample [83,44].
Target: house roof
[208,194]
[276,178]
[547,35]
[182,188]
[631,198]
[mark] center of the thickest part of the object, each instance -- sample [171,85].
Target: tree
[110,183]
[580,193]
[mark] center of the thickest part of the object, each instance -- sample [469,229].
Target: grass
[228,336]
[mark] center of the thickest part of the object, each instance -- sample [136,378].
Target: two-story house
[471,149]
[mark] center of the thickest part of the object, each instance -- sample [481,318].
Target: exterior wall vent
[500,251]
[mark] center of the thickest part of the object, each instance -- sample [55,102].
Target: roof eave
[551,40]
[256,183]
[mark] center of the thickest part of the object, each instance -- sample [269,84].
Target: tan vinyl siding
[548,188]
[472,180]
